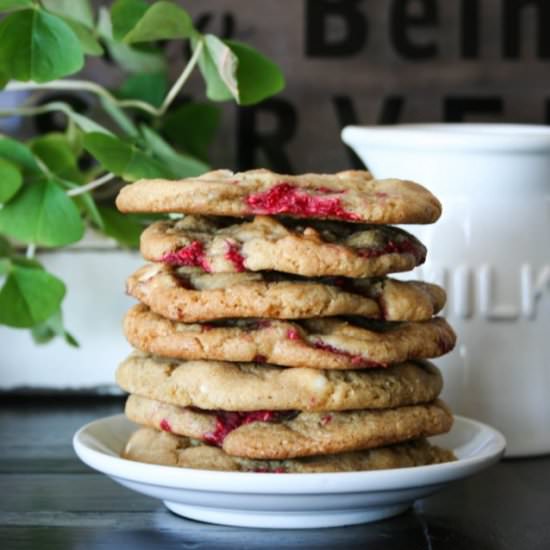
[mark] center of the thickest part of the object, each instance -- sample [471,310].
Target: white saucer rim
[291,483]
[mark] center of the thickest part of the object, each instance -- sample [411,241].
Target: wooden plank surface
[50,501]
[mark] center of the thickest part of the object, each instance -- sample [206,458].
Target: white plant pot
[491,251]
[94,272]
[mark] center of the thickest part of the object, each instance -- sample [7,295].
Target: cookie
[250,387]
[278,435]
[188,295]
[316,343]
[154,447]
[351,196]
[312,250]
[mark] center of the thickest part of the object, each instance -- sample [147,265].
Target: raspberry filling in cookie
[293,334]
[227,421]
[356,359]
[191,255]
[287,199]
[234,255]
[404,246]
[328,191]
[165,426]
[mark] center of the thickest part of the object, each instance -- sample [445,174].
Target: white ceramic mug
[491,251]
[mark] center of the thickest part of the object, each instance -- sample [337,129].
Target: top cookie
[313,249]
[351,196]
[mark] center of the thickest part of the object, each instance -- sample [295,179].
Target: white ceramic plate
[286,500]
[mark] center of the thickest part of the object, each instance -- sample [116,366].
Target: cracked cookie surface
[351,196]
[329,343]
[188,295]
[279,435]
[250,387]
[311,249]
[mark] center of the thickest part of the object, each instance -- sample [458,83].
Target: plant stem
[83,122]
[31,111]
[175,89]
[85,86]
[92,185]
[31,249]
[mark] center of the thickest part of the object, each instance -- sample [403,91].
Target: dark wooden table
[49,500]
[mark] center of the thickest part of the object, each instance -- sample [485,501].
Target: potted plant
[56,189]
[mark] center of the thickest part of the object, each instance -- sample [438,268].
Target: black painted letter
[512,20]
[469,25]
[251,140]
[402,17]
[318,43]
[457,108]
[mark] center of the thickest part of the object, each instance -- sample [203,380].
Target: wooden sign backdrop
[375,62]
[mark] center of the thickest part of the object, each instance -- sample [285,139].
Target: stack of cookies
[268,336]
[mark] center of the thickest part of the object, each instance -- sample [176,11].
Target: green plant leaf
[257,76]
[11,5]
[180,165]
[10,180]
[6,249]
[125,14]
[90,44]
[75,10]
[218,66]
[125,229]
[162,21]
[38,46]
[234,70]
[86,203]
[29,296]
[87,124]
[83,122]
[23,261]
[123,159]
[4,79]
[71,340]
[137,61]
[52,327]
[74,136]
[57,154]
[193,127]
[118,115]
[19,154]
[149,60]
[5,266]
[43,214]
[148,87]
